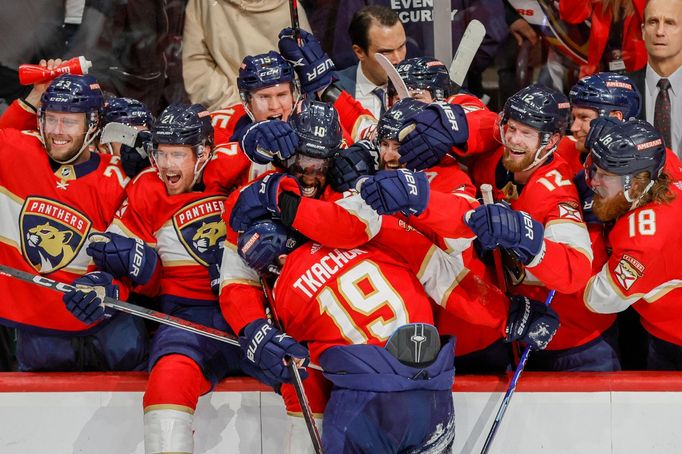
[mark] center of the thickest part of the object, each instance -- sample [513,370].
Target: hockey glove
[87,305]
[216,259]
[429,134]
[264,141]
[122,256]
[497,225]
[531,322]
[260,199]
[358,160]
[586,195]
[314,67]
[270,349]
[135,159]
[392,191]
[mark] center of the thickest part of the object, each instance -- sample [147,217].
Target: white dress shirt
[675,93]
[364,94]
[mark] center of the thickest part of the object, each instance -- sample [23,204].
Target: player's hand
[260,199]
[86,304]
[392,191]
[531,322]
[498,225]
[429,134]
[135,159]
[313,66]
[358,160]
[39,87]
[215,260]
[266,140]
[270,350]
[122,256]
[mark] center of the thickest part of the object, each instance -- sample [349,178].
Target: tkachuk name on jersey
[200,228]
[315,277]
[52,233]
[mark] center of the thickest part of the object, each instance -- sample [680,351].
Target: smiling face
[609,198]
[310,172]
[64,134]
[273,102]
[176,165]
[521,144]
[389,154]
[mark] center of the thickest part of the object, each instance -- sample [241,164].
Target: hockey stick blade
[442,30]
[123,306]
[510,389]
[118,133]
[466,51]
[392,73]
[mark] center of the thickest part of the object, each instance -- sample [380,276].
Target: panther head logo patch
[200,227]
[52,233]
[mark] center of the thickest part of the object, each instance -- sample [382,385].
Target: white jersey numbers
[642,223]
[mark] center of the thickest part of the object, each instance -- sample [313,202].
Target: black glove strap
[331,93]
[288,206]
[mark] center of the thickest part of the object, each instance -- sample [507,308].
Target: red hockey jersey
[644,269]
[46,214]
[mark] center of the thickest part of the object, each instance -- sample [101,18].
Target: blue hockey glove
[215,260]
[390,191]
[358,160]
[586,195]
[270,349]
[87,305]
[498,225]
[531,322]
[259,199]
[135,159]
[429,134]
[264,141]
[313,66]
[122,256]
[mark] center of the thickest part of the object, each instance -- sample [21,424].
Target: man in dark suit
[660,82]
[373,29]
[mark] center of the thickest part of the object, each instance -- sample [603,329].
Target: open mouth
[173,178]
[59,142]
[275,117]
[309,191]
[516,151]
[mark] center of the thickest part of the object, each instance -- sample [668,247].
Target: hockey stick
[123,306]
[293,368]
[487,194]
[392,73]
[510,390]
[442,30]
[466,51]
[293,12]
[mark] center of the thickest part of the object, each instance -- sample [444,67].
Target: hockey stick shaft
[298,383]
[293,12]
[123,306]
[487,195]
[510,390]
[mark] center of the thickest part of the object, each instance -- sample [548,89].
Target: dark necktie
[380,93]
[662,111]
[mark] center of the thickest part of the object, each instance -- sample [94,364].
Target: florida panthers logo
[200,227]
[52,233]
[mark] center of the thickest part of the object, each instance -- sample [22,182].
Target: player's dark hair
[364,18]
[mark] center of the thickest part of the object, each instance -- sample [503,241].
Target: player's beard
[609,209]
[515,163]
[61,154]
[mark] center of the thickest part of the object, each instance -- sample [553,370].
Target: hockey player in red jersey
[359,311]
[162,243]
[544,228]
[626,170]
[480,348]
[56,193]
